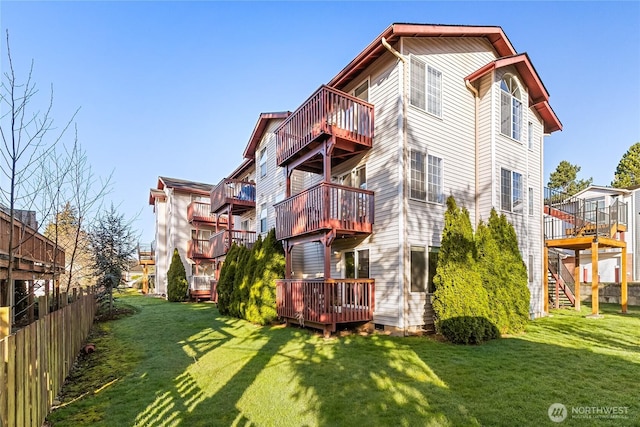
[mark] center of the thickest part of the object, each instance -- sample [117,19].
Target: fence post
[43,306]
[64,299]
[5,323]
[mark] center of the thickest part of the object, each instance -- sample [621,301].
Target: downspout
[403,217]
[476,196]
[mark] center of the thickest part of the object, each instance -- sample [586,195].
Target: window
[362,91]
[510,191]
[426,87]
[418,268]
[510,107]
[530,135]
[433,264]
[531,277]
[244,225]
[263,162]
[361,177]
[263,218]
[530,201]
[356,264]
[426,177]
[434,179]
[418,178]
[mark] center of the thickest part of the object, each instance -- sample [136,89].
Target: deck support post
[576,279]
[545,280]
[623,284]
[594,278]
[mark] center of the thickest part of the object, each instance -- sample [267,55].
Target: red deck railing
[233,191]
[201,212]
[327,111]
[221,242]
[326,302]
[199,248]
[323,207]
[32,251]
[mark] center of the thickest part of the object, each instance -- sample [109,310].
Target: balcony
[201,212]
[221,242]
[202,287]
[328,112]
[325,303]
[572,217]
[239,195]
[146,254]
[33,253]
[326,206]
[199,249]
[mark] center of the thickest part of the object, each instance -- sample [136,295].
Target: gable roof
[538,95]
[179,185]
[258,131]
[603,189]
[493,34]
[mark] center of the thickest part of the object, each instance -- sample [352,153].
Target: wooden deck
[146,254]
[199,249]
[326,206]
[328,112]
[239,195]
[326,303]
[201,212]
[33,252]
[202,288]
[221,242]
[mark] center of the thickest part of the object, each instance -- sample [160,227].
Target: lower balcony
[326,206]
[222,241]
[325,303]
[202,287]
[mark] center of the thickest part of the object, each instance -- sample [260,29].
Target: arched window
[511,107]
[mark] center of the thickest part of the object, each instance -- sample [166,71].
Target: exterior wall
[161,265]
[634,218]
[384,178]
[517,157]
[270,188]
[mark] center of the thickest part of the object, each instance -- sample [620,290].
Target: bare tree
[25,137]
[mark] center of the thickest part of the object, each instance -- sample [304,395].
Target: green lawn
[185,364]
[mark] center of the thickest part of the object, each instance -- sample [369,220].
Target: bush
[225,282]
[177,285]
[460,301]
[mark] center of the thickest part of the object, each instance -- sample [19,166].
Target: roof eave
[258,131]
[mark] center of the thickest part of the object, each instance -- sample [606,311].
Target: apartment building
[354,180]
[183,221]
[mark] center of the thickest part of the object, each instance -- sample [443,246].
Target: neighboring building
[37,262]
[608,206]
[184,222]
[355,179]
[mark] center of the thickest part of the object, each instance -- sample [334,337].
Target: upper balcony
[221,242]
[326,206]
[328,112]
[572,217]
[146,254]
[33,253]
[239,195]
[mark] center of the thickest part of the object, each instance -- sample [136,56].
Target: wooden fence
[35,360]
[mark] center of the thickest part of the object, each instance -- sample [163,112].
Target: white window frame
[531,202]
[509,202]
[435,195]
[358,86]
[511,93]
[530,135]
[263,218]
[263,162]
[425,190]
[356,262]
[419,193]
[429,97]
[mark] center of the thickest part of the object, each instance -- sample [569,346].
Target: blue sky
[175,88]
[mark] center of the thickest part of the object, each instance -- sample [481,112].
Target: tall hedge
[504,274]
[460,301]
[225,281]
[246,288]
[177,285]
